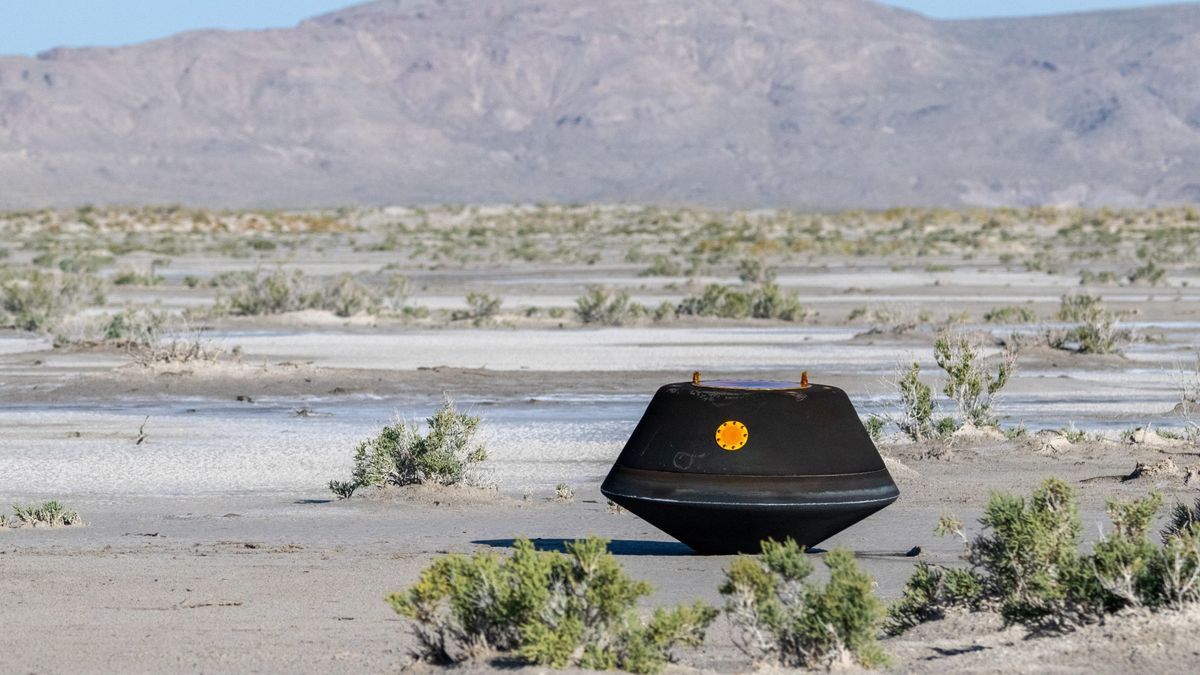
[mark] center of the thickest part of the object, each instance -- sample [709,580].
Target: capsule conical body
[722,466]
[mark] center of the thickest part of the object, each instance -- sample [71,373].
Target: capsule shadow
[615,547]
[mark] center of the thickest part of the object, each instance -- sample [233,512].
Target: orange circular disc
[732,435]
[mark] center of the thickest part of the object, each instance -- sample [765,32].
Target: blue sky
[30,26]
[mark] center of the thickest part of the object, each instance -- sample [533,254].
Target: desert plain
[198,450]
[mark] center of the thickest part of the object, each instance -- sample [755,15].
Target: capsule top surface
[755,385]
[746,428]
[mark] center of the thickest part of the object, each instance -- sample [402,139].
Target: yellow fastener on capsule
[732,435]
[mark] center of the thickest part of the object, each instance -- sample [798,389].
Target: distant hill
[801,103]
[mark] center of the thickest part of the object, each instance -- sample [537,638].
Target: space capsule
[723,465]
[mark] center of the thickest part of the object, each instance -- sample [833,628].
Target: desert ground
[197,445]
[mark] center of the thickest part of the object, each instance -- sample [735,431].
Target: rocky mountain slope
[802,103]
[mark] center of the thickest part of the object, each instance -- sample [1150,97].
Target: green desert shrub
[930,593]
[1149,273]
[1183,517]
[766,301]
[716,300]
[1188,382]
[874,424]
[1027,562]
[755,271]
[604,307]
[1176,569]
[892,319]
[917,406]
[88,262]
[1030,555]
[46,514]
[345,297]
[1087,277]
[546,608]
[1096,330]
[1124,561]
[769,301]
[1074,435]
[401,455]
[1010,314]
[39,300]
[781,616]
[971,386]
[662,266]
[664,311]
[282,291]
[129,276]
[274,293]
[481,309]
[233,278]
[135,327]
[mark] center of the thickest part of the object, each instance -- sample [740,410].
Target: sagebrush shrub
[769,301]
[763,301]
[716,300]
[1029,565]
[346,297]
[47,514]
[401,455]
[274,293]
[1096,330]
[973,388]
[281,291]
[1189,398]
[135,327]
[1148,273]
[604,307]
[40,300]
[481,309]
[1030,557]
[930,592]
[662,266]
[1176,569]
[779,615]
[755,271]
[548,608]
[1124,560]
[1182,518]
[916,404]
[874,424]
[129,276]
[1010,314]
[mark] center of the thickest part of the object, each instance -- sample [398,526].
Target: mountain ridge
[746,103]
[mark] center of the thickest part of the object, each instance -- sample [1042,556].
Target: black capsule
[723,465]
